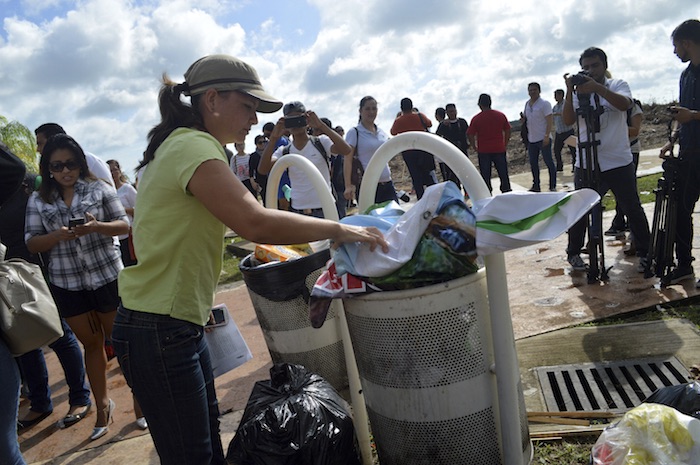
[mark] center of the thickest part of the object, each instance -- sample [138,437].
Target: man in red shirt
[489,132]
[421,165]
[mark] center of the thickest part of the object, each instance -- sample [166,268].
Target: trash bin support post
[359,409]
[506,361]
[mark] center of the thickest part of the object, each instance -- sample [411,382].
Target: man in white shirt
[538,114]
[97,166]
[610,99]
[317,149]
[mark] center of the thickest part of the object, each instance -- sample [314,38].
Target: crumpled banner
[504,222]
[500,223]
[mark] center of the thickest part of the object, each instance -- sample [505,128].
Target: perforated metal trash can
[424,357]
[280,296]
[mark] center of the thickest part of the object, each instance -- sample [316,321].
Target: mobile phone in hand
[75,221]
[220,318]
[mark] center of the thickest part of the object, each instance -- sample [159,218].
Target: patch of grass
[645,187]
[230,272]
[571,451]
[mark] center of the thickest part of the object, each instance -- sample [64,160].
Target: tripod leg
[656,239]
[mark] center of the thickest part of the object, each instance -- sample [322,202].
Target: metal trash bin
[280,296]
[425,361]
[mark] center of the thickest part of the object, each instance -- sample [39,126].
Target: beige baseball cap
[224,72]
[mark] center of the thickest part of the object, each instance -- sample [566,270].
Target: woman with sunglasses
[73,218]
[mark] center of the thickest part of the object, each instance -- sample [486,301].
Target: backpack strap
[319,146]
[425,126]
[635,102]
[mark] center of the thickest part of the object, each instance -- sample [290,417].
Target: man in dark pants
[686,130]
[489,133]
[421,165]
[610,98]
[561,130]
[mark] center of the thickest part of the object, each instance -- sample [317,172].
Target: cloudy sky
[93,66]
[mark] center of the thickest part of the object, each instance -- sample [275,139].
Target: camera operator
[686,130]
[610,98]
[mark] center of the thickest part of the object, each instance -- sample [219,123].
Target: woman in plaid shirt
[73,217]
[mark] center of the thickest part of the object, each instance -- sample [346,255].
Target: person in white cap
[187,198]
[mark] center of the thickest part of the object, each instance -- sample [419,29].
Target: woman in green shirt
[187,197]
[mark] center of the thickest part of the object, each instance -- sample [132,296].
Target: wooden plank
[588,431]
[573,414]
[559,421]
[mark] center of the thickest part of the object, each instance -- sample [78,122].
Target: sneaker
[577,263]
[552,189]
[534,189]
[681,273]
[615,232]
[642,265]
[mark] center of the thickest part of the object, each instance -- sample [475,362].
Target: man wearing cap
[317,149]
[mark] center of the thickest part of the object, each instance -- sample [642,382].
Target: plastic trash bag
[651,434]
[295,418]
[683,397]
[446,251]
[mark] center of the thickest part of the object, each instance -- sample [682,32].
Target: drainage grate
[610,386]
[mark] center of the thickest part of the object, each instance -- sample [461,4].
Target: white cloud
[94,66]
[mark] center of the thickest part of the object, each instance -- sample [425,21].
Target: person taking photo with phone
[316,149]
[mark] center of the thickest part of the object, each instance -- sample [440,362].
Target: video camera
[579,78]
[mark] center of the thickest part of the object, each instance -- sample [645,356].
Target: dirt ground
[654,133]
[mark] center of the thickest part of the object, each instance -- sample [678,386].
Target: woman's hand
[91,225]
[371,235]
[63,234]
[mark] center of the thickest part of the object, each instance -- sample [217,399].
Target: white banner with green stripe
[519,219]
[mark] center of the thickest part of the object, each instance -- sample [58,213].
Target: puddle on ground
[637,290]
[578,314]
[612,304]
[549,302]
[549,272]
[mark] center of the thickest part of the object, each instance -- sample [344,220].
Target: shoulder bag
[29,318]
[357,169]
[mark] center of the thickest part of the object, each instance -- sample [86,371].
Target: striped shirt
[88,262]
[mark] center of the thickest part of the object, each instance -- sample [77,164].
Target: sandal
[73,418]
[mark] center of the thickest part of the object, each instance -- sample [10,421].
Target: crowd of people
[123,267]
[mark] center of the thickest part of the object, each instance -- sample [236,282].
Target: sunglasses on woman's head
[58,166]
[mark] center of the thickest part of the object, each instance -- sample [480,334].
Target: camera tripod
[591,178]
[663,231]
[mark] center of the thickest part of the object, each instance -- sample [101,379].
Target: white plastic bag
[651,434]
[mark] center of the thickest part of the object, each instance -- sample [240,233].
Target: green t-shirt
[178,242]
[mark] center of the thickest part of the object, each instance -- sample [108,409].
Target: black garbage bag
[295,418]
[683,397]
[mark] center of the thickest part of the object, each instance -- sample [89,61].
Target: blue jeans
[9,403]
[167,365]
[533,151]
[36,377]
